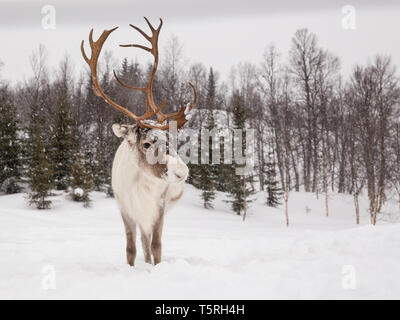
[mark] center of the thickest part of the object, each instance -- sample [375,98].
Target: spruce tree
[81,180]
[39,170]
[206,180]
[207,173]
[239,187]
[10,145]
[194,168]
[63,146]
[205,184]
[95,133]
[102,139]
[274,192]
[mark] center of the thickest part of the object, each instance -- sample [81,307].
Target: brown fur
[176,198]
[157,169]
[130,231]
[157,232]
[146,242]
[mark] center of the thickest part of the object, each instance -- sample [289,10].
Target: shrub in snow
[78,192]
[81,181]
[11,186]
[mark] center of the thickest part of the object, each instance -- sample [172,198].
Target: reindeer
[144,190]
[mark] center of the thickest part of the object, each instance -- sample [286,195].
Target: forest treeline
[315,131]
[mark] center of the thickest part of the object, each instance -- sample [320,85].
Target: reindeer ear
[120,130]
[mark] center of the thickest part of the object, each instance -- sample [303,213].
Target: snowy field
[73,252]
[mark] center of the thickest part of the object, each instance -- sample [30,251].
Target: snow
[73,252]
[78,192]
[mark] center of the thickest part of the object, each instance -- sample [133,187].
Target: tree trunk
[296,172]
[244,197]
[342,168]
[325,170]
[286,207]
[287,175]
[357,207]
[261,163]
[399,200]
[279,155]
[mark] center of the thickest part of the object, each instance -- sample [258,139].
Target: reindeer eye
[146,145]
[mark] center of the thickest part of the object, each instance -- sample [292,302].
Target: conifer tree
[207,173]
[94,136]
[205,184]
[103,139]
[274,192]
[223,171]
[239,187]
[81,181]
[10,145]
[63,145]
[194,168]
[39,169]
[206,179]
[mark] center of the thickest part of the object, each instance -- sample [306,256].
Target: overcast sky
[218,33]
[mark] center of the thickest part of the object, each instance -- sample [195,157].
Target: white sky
[217,33]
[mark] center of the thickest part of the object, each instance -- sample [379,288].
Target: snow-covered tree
[39,169]
[274,192]
[239,188]
[63,147]
[81,181]
[10,145]
[208,172]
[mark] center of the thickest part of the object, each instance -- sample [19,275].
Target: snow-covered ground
[73,252]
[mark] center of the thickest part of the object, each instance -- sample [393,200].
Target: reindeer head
[141,135]
[153,153]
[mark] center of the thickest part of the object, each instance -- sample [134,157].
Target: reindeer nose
[177,168]
[178,176]
[181,173]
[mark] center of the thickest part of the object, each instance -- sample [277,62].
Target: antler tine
[153,39]
[144,34]
[151,26]
[136,46]
[180,116]
[96,47]
[126,85]
[194,97]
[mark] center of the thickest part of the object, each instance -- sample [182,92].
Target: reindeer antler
[151,108]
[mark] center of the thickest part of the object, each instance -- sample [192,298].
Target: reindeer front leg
[130,231]
[156,239]
[146,241]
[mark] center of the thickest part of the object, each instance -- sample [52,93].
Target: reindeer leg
[146,241]
[156,240]
[130,230]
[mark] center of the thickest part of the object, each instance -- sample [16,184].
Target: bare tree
[324,79]
[270,84]
[373,94]
[172,72]
[304,58]
[285,118]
